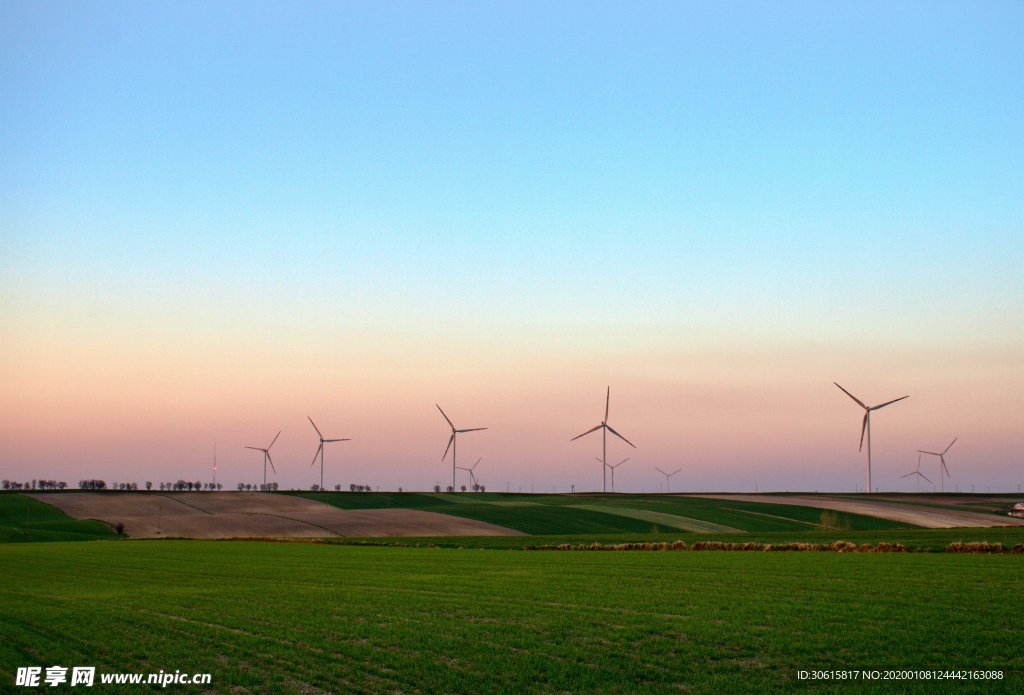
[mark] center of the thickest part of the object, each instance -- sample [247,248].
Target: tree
[437,488]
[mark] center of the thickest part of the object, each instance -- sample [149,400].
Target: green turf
[300,618]
[27,520]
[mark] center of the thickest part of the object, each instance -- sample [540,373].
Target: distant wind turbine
[918,473]
[606,428]
[668,476]
[452,444]
[942,460]
[612,468]
[866,426]
[320,450]
[266,457]
[470,470]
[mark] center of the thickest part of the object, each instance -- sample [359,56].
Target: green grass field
[305,618]
[25,520]
[612,514]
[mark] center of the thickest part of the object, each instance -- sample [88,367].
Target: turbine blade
[950,445]
[932,453]
[318,450]
[596,427]
[660,471]
[607,401]
[477,463]
[271,461]
[275,439]
[254,448]
[941,458]
[910,474]
[314,426]
[472,429]
[924,476]
[621,462]
[338,440]
[446,417]
[620,436]
[851,396]
[876,407]
[450,440]
[675,471]
[863,429]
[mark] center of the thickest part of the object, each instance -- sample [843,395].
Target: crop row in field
[913,539]
[275,617]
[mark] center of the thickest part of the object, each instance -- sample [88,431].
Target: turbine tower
[866,427]
[917,472]
[320,451]
[266,457]
[452,444]
[942,459]
[612,468]
[605,429]
[668,476]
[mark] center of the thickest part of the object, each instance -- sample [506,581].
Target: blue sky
[629,177]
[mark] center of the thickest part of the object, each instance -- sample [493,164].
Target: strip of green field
[536,518]
[553,514]
[26,520]
[671,520]
[299,618]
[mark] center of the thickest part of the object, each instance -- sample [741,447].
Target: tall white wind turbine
[942,460]
[866,426]
[266,457]
[605,429]
[320,450]
[452,443]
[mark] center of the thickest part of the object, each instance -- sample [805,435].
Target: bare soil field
[928,517]
[255,514]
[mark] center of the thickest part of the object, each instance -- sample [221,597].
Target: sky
[217,220]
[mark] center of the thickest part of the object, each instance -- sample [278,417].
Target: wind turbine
[866,427]
[266,457]
[472,475]
[612,469]
[667,476]
[320,450]
[451,442]
[605,429]
[942,459]
[918,473]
